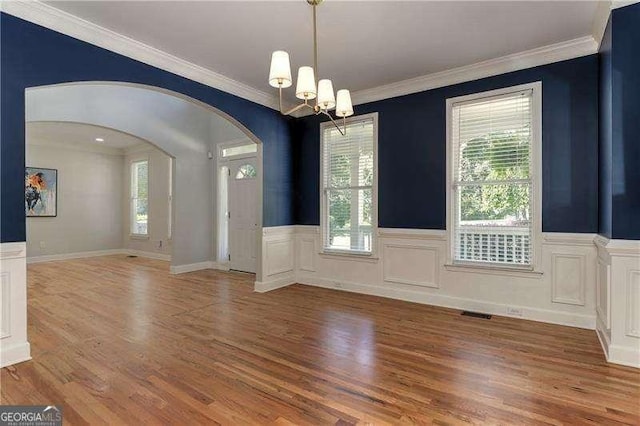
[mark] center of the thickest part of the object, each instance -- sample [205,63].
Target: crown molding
[600,20]
[68,24]
[615,4]
[531,58]
[65,23]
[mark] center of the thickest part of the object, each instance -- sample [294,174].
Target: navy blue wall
[605,135]
[33,56]
[625,165]
[412,151]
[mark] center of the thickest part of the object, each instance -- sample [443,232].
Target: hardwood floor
[118,340]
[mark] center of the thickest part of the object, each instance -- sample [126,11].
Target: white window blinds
[348,184]
[492,179]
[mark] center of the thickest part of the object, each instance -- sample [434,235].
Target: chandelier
[307,87]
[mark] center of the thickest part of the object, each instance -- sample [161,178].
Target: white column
[14,346]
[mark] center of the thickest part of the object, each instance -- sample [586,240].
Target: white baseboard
[220,266]
[69,256]
[97,253]
[624,356]
[265,286]
[528,313]
[14,354]
[148,254]
[191,267]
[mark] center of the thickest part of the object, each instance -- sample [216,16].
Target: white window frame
[133,161]
[536,179]
[235,143]
[324,208]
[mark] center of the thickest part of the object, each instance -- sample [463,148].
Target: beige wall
[89,201]
[158,226]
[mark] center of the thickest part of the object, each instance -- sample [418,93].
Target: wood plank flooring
[117,340]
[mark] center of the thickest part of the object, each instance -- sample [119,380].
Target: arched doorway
[185,129]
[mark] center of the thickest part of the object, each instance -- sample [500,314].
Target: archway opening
[189,134]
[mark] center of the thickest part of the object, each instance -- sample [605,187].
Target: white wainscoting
[14,346]
[411,266]
[618,300]
[278,258]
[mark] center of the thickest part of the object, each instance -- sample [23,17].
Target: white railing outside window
[493,148]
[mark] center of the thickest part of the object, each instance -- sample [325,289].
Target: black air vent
[476,314]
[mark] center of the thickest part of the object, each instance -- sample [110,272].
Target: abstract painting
[41,192]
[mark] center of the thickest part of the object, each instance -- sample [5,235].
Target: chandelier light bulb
[280,72]
[306,87]
[344,107]
[326,98]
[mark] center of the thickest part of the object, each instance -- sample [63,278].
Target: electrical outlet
[516,312]
[42,244]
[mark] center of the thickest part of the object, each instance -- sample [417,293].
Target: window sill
[346,255]
[138,237]
[494,270]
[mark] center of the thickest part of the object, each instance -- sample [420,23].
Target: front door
[243,214]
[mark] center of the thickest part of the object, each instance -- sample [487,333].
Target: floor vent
[476,314]
[132,256]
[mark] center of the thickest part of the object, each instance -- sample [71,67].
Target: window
[239,150]
[246,171]
[139,197]
[494,146]
[349,180]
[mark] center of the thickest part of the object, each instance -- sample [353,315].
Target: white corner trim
[531,58]
[265,286]
[16,250]
[191,267]
[55,19]
[13,354]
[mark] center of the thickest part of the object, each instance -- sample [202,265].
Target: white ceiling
[78,135]
[361,44]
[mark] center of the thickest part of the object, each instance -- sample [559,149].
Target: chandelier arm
[295,108]
[315,48]
[342,131]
